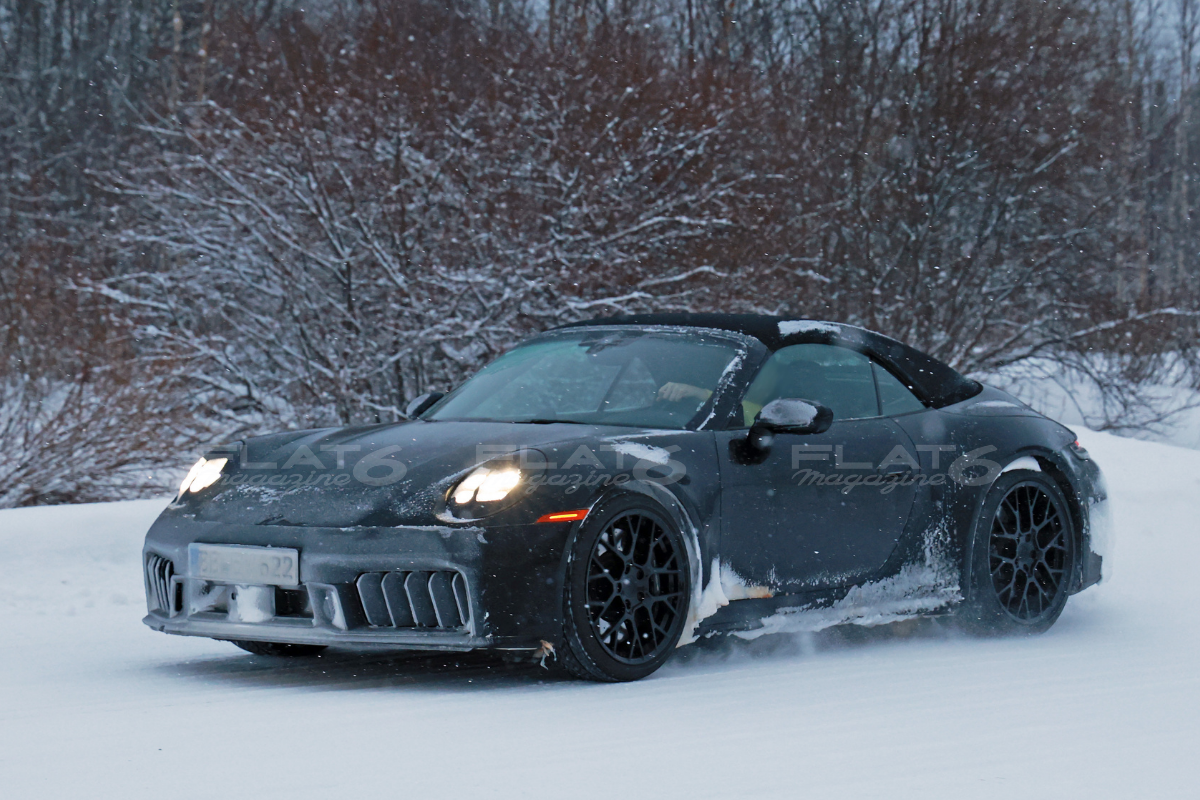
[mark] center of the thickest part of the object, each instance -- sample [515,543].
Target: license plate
[269,566]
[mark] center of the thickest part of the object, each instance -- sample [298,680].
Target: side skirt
[912,592]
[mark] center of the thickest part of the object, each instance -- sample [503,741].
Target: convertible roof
[934,382]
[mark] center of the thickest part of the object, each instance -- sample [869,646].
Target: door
[819,510]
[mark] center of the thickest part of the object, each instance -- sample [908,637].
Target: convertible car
[608,491]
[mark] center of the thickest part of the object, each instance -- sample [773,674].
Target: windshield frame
[748,351]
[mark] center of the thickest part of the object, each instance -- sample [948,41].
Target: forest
[226,217]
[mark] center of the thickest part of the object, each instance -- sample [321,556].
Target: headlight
[487,485]
[493,486]
[204,473]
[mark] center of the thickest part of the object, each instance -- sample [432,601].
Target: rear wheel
[628,586]
[1023,556]
[280,649]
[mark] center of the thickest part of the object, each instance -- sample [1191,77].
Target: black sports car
[610,490]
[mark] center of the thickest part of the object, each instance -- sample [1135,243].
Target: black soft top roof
[934,382]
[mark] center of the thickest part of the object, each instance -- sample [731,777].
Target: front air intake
[163,591]
[434,600]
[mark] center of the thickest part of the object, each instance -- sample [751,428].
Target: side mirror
[422,404]
[787,415]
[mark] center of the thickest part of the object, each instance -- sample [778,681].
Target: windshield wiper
[545,421]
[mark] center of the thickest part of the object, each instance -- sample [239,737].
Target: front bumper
[1091,493]
[422,588]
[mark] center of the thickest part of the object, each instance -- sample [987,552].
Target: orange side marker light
[564,516]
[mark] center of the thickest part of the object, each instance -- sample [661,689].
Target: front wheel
[1023,557]
[626,599]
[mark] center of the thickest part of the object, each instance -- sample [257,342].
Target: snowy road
[1107,704]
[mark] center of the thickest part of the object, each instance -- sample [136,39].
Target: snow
[643,452]
[735,587]
[709,601]
[791,326]
[793,413]
[916,589]
[726,375]
[994,404]
[724,586]
[1024,462]
[252,604]
[1105,705]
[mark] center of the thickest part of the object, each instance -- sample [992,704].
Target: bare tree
[291,214]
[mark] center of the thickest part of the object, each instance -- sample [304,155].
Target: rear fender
[1053,466]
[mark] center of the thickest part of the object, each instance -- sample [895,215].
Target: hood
[381,475]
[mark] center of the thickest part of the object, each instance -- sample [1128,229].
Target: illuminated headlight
[487,485]
[204,473]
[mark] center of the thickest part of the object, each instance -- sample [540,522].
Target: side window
[832,376]
[894,398]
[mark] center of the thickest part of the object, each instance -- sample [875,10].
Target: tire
[280,649]
[1023,556]
[627,592]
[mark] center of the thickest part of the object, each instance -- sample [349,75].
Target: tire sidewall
[578,633]
[984,612]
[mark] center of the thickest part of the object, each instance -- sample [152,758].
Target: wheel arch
[1050,465]
[637,497]
[687,521]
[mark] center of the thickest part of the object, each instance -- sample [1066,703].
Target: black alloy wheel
[635,588]
[631,573]
[1023,556]
[1027,552]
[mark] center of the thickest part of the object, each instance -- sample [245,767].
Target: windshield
[601,377]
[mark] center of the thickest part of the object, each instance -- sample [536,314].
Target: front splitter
[302,634]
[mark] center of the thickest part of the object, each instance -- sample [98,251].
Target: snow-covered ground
[1106,705]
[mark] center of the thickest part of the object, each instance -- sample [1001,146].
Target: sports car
[608,491]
